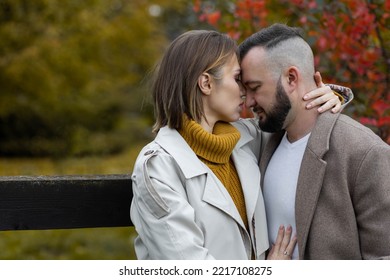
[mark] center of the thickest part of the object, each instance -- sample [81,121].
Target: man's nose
[249,100]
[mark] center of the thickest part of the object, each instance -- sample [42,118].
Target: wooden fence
[64,202]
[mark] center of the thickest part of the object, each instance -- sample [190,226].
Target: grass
[112,164]
[75,244]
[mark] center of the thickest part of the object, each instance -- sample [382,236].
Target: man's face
[265,94]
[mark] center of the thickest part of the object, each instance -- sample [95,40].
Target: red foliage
[350,39]
[212,18]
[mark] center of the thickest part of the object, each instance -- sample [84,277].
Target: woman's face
[225,102]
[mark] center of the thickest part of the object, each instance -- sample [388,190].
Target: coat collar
[244,138]
[319,139]
[172,142]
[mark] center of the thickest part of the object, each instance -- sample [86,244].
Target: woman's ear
[204,83]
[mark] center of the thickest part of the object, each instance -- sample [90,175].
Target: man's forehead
[257,53]
[253,59]
[253,70]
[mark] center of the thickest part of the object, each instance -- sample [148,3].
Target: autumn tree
[72,72]
[350,38]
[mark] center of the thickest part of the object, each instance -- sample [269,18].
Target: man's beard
[274,120]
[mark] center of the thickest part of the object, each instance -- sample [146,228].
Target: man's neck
[302,125]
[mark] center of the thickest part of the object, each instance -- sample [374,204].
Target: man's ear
[290,79]
[204,83]
[292,76]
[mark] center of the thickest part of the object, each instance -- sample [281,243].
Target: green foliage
[70,73]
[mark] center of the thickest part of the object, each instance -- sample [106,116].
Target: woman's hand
[284,245]
[324,96]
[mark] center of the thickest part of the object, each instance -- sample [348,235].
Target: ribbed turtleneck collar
[215,147]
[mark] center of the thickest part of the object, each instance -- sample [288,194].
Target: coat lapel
[244,166]
[248,171]
[254,201]
[250,184]
[216,195]
[311,177]
[308,189]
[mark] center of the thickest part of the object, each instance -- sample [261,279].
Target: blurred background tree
[350,38]
[72,72]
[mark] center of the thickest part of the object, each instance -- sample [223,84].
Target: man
[326,175]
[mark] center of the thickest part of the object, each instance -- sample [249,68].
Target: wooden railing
[64,202]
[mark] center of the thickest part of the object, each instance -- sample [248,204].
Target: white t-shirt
[280,184]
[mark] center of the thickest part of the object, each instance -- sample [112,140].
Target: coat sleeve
[372,202]
[161,214]
[345,93]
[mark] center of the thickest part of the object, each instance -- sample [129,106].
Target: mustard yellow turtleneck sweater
[215,151]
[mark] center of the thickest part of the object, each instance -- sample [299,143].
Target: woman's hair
[175,89]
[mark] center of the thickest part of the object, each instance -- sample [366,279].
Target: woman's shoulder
[154,161]
[152,154]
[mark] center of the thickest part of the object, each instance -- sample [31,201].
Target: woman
[196,186]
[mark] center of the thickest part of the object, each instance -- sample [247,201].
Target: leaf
[384,121]
[368,121]
[380,107]
[213,18]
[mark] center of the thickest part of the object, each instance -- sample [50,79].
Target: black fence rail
[64,202]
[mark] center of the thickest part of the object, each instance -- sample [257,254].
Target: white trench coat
[181,210]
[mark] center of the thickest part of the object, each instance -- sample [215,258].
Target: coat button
[148,152]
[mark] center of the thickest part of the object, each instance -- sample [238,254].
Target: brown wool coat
[342,206]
